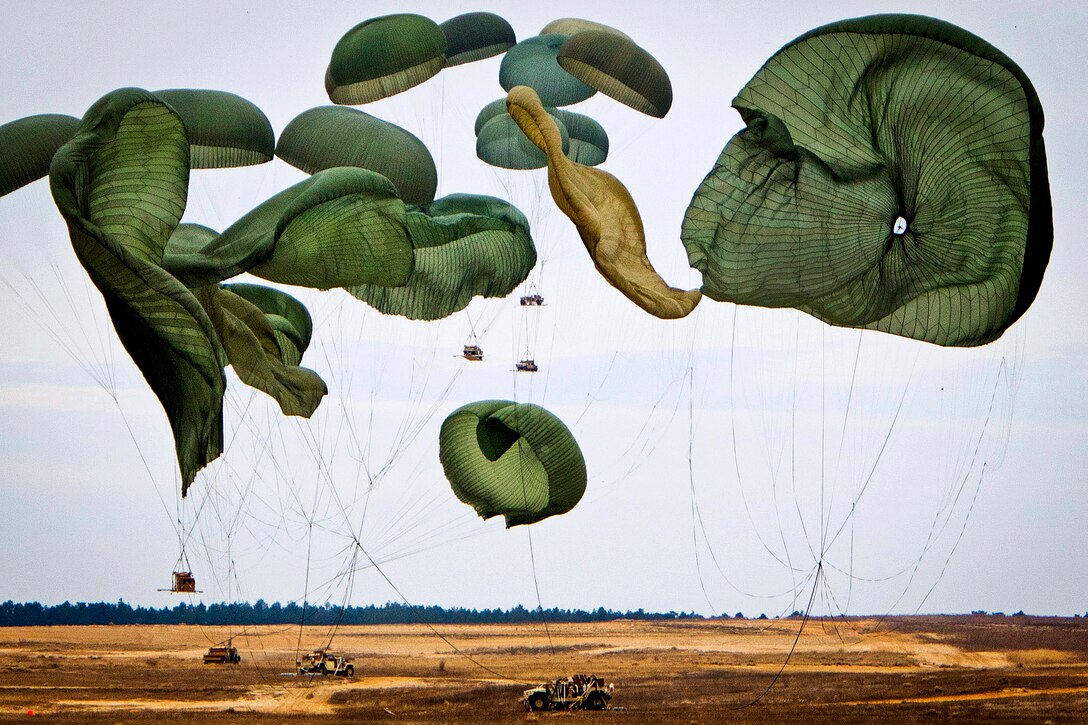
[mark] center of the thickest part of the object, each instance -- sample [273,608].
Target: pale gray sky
[978,501]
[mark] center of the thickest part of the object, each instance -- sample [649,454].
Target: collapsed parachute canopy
[512,459]
[604,213]
[464,245]
[383,56]
[475,36]
[892,176]
[223,129]
[329,136]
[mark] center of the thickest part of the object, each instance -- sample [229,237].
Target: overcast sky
[726,452]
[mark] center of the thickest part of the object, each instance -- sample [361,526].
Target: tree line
[34,614]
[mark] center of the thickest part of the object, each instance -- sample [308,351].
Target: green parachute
[329,136]
[532,62]
[464,245]
[383,56]
[616,66]
[475,36]
[892,176]
[27,146]
[511,459]
[223,129]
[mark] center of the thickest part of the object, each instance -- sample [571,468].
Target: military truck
[222,655]
[577,692]
[320,662]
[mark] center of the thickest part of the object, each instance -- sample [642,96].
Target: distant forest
[33,614]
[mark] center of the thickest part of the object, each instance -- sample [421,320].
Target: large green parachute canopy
[121,184]
[892,176]
[512,459]
[617,67]
[475,36]
[340,227]
[329,136]
[383,56]
[27,147]
[532,62]
[224,130]
[465,245]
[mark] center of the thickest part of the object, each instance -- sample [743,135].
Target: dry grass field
[901,669]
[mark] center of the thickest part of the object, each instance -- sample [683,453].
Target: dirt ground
[973,668]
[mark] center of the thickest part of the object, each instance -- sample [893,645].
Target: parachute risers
[473,353]
[184,583]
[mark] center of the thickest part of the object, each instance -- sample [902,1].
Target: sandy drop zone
[904,669]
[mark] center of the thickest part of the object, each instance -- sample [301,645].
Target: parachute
[340,227]
[329,136]
[117,221]
[604,213]
[501,143]
[384,56]
[616,66]
[510,459]
[904,191]
[223,129]
[464,245]
[27,147]
[532,62]
[572,26]
[475,36]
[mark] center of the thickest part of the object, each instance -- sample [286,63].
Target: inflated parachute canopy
[475,36]
[588,139]
[27,146]
[383,56]
[121,184]
[604,213]
[571,26]
[465,245]
[224,130]
[501,143]
[532,62]
[584,140]
[512,459]
[892,176]
[329,136]
[617,67]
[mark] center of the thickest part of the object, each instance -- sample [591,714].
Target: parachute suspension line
[305,587]
[736,449]
[934,533]
[793,450]
[536,585]
[826,522]
[532,552]
[796,639]
[696,515]
[430,626]
[880,453]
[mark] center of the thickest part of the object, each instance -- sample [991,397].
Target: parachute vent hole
[900,227]
[495,438]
